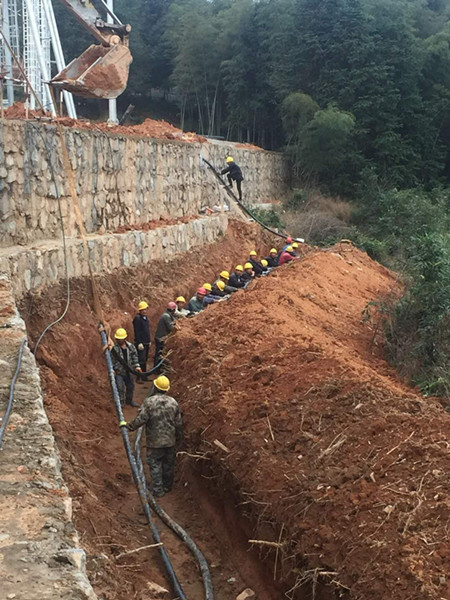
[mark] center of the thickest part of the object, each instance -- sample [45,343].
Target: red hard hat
[289,239]
[172,306]
[201,291]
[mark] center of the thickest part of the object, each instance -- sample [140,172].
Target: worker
[233,173]
[236,277]
[195,304]
[265,266]
[164,327]
[295,249]
[257,266]
[124,378]
[210,298]
[142,339]
[272,259]
[288,243]
[225,278]
[161,416]
[218,290]
[248,274]
[287,256]
[181,311]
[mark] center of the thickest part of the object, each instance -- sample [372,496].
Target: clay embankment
[329,453]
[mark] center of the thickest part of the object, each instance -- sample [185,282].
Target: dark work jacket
[235,280]
[234,170]
[141,328]
[257,266]
[273,262]
[217,292]
[245,277]
[165,325]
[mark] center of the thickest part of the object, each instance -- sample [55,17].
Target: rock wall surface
[121,180]
[40,557]
[38,265]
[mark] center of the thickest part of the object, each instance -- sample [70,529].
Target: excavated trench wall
[121,180]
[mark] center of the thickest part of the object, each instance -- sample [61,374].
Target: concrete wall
[40,557]
[30,268]
[120,180]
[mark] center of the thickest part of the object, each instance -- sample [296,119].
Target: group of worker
[160,412]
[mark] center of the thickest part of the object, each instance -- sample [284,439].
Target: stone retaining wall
[42,263]
[121,180]
[40,557]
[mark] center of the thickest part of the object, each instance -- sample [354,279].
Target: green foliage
[419,332]
[267,216]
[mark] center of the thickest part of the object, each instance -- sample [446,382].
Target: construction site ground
[297,433]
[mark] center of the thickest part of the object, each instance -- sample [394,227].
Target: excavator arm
[102,70]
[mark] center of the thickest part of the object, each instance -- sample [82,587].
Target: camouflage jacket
[130,357]
[162,419]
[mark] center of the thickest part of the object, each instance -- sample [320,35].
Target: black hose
[11,392]
[244,208]
[175,527]
[178,590]
[61,220]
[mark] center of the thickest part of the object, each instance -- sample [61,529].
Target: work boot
[159,493]
[132,403]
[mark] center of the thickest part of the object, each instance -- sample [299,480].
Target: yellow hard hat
[248,266]
[229,159]
[162,383]
[220,285]
[289,249]
[121,334]
[264,262]
[225,274]
[207,286]
[239,268]
[180,299]
[295,245]
[253,253]
[273,250]
[142,305]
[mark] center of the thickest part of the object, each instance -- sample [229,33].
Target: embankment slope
[328,451]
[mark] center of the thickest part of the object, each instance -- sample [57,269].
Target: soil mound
[331,454]
[148,128]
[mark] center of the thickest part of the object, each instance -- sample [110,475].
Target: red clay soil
[77,397]
[155,224]
[148,128]
[330,452]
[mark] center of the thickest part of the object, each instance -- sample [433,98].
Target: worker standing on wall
[161,416]
[233,173]
[124,379]
[142,339]
[164,327]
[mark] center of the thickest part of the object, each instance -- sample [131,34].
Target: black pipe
[175,527]
[11,392]
[178,590]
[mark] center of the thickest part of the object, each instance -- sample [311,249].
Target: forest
[356,93]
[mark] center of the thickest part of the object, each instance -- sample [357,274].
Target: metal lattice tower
[32,61]
[10,26]
[37,22]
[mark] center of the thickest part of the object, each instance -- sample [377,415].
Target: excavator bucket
[100,72]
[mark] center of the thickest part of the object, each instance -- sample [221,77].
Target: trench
[107,512]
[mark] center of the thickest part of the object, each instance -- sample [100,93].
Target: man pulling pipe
[233,173]
[161,416]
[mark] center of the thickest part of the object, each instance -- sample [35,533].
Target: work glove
[140,346]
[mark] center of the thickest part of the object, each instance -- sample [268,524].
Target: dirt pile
[332,456]
[148,128]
